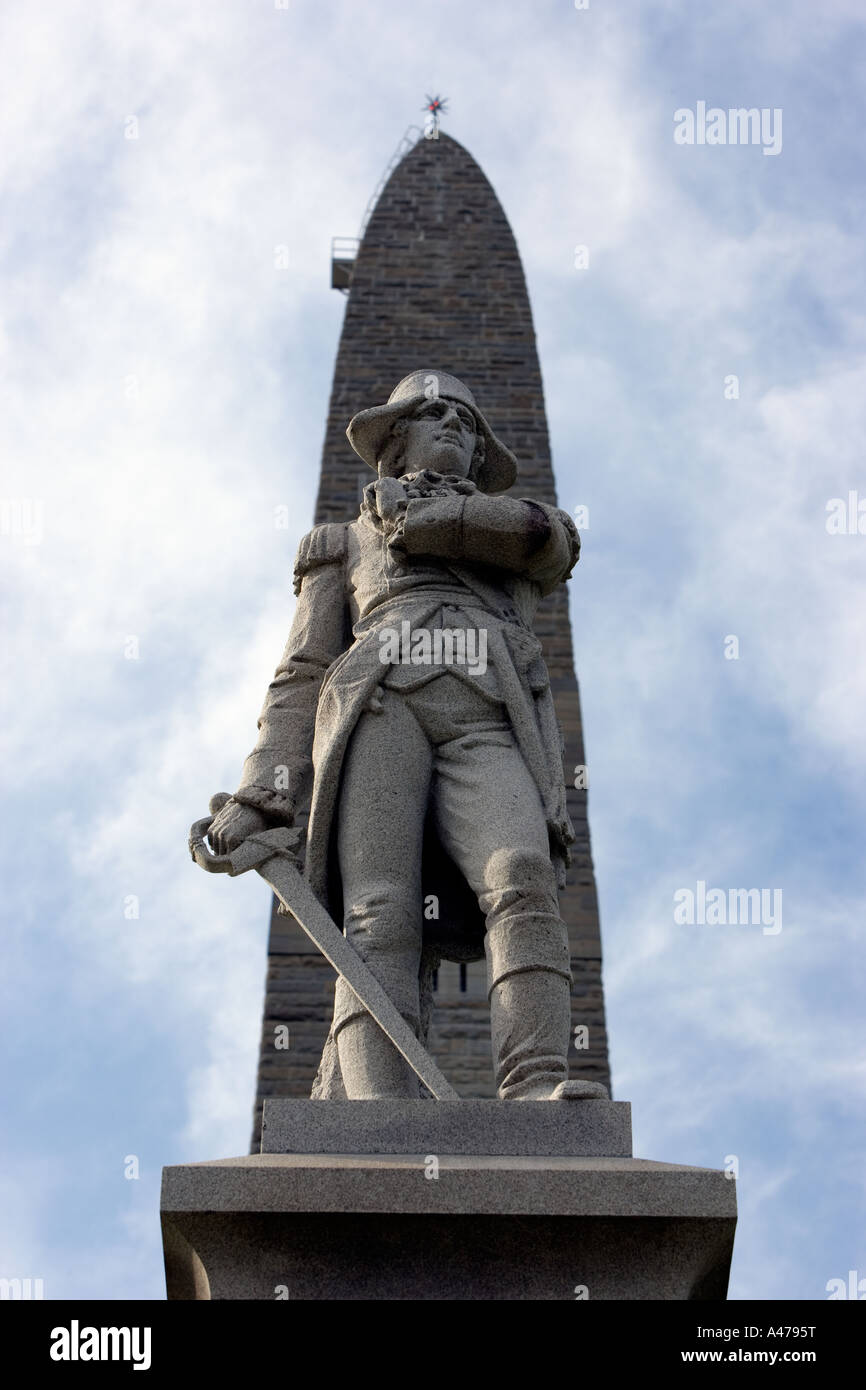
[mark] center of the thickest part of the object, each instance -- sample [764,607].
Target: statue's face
[441,436]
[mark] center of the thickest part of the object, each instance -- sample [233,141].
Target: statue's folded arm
[515,534]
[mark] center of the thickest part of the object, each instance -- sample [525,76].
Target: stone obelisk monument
[437,278]
[432,1131]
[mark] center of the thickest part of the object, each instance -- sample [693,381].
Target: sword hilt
[252,852]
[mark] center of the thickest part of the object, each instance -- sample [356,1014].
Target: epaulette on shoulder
[573,537]
[324,545]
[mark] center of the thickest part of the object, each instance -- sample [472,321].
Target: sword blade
[298,898]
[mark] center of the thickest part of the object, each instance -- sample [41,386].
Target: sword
[272,854]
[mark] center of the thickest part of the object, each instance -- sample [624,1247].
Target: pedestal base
[436,1225]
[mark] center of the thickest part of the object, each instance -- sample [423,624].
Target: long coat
[499,555]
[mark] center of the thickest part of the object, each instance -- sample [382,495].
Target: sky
[172,176]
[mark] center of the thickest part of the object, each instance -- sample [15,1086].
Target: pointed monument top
[437,278]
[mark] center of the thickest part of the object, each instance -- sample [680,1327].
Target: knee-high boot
[371,1066]
[529,975]
[530,1028]
[530,1023]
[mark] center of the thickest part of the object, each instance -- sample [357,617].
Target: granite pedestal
[404,1200]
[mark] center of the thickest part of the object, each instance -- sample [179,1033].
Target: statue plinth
[533,1200]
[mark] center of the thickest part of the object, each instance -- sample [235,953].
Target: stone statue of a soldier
[412,710]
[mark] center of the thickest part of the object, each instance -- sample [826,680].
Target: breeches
[446,751]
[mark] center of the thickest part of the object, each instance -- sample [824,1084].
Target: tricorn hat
[368,431]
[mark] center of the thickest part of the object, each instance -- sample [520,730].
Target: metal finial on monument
[435,107]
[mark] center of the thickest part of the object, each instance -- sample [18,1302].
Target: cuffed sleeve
[515,534]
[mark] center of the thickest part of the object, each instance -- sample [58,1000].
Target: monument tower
[436,279]
[540,1195]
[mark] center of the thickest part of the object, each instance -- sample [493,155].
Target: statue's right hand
[387,499]
[232,824]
